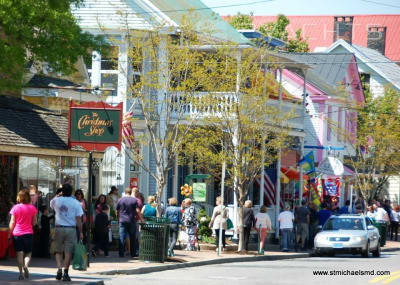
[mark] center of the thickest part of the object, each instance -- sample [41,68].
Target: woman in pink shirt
[23,218]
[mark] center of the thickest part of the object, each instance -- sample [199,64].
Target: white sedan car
[348,233]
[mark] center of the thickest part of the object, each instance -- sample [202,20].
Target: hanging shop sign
[95,125]
[199,192]
[133,182]
[331,166]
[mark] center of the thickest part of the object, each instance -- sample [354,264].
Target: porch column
[262,173]
[175,177]
[278,166]
[96,70]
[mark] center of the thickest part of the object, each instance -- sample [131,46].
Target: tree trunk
[160,188]
[240,227]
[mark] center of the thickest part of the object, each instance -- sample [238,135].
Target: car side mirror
[370,228]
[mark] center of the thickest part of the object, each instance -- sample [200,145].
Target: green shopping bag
[229,224]
[80,257]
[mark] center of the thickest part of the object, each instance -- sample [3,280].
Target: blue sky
[306,7]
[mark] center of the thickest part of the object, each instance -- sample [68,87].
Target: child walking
[45,231]
[102,225]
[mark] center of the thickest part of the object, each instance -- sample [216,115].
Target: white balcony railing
[222,102]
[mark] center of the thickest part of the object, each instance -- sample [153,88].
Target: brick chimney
[377,38]
[343,28]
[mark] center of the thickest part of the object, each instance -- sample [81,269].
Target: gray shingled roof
[28,125]
[374,59]
[327,70]
[40,81]
[389,69]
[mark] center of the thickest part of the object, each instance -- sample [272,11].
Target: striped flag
[127,130]
[270,187]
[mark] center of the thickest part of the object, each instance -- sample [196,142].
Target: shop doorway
[8,185]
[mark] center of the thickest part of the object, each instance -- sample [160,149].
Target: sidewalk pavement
[101,268]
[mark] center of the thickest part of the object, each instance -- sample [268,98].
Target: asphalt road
[295,271]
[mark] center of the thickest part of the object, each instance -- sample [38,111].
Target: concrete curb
[158,268]
[390,249]
[97,282]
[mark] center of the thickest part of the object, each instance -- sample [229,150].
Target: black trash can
[154,237]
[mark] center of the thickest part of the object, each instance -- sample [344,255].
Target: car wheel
[317,253]
[377,251]
[365,253]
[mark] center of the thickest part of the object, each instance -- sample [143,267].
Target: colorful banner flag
[307,163]
[332,187]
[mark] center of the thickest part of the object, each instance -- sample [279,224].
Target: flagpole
[302,138]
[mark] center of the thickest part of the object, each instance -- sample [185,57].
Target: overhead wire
[380,3]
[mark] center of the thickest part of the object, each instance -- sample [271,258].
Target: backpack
[190,216]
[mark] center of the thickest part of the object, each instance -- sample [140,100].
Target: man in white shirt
[285,220]
[68,212]
[381,218]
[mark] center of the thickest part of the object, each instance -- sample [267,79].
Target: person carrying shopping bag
[219,222]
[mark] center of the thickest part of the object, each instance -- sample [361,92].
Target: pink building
[380,32]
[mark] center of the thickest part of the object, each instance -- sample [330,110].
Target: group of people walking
[299,227]
[71,214]
[68,214]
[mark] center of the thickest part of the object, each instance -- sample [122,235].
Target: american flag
[270,187]
[127,130]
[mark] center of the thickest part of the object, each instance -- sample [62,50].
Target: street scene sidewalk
[101,268]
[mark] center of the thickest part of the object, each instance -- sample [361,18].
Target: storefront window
[47,179]
[28,170]
[49,173]
[110,175]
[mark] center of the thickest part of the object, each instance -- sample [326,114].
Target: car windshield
[335,224]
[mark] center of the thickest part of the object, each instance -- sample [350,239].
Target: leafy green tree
[39,31]
[377,145]
[277,29]
[240,127]
[241,21]
[175,72]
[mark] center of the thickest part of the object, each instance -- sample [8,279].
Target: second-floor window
[365,81]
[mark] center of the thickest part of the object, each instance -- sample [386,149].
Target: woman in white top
[263,224]
[218,221]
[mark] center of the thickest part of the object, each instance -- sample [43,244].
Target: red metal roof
[319,30]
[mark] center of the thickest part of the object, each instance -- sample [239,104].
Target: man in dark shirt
[345,208]
[127,207]
[302,217]
[323,215]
